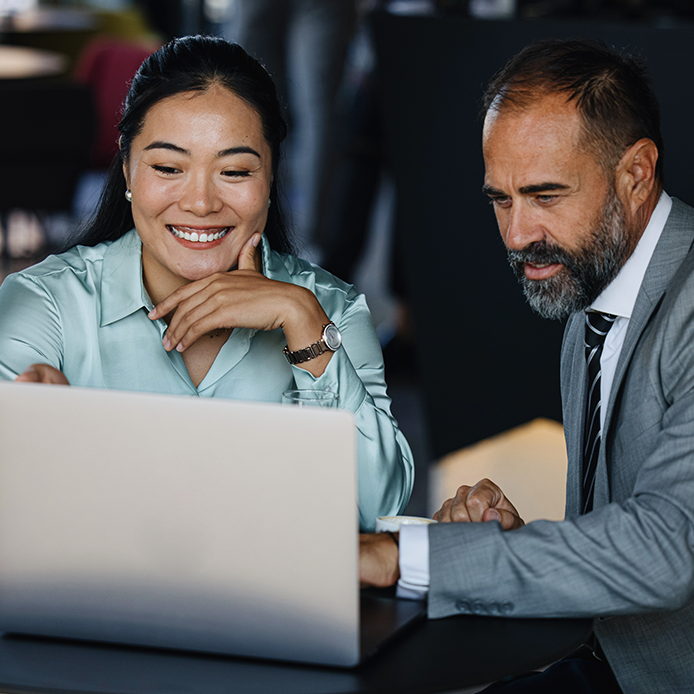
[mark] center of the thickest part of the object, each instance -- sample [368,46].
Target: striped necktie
[597,327]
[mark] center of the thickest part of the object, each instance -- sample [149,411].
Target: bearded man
[574,168]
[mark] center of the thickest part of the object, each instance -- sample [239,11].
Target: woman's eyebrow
[223,153]
[237,150]
[166,145]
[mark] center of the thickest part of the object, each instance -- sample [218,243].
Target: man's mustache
[539,253]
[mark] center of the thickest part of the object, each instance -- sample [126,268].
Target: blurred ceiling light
[8,7]
[218,11]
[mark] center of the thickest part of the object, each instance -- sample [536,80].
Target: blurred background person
[303,44]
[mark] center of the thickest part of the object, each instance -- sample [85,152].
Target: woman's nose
[201,197]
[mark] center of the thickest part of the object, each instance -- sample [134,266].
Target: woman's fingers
[43,373]
[165,307]
[238,299]
[247,259]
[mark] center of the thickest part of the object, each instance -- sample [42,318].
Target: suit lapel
[673,246]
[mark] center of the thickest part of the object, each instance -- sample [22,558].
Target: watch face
[332,337]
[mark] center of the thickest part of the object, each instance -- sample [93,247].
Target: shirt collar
[274,267]
[619,297]
[122,290]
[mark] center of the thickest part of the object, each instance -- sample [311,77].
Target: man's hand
[478,504]
[43,373]
[378,560]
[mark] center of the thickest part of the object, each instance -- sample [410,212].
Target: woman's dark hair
[191,63]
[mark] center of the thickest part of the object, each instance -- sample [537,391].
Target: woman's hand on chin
[244,298]
[42,373]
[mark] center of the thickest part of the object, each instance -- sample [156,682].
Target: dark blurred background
[383,169]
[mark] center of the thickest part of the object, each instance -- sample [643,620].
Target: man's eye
[164,169]
[500,201]
[546,198]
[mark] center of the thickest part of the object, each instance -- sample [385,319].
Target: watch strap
[300,356]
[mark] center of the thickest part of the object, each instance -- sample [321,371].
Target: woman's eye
[236,174]
[164,169]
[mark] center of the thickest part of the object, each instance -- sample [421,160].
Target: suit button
[507,607]
[478,607]
[463,606]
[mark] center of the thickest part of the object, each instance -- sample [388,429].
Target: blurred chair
[46,133]
[108,65]
[528,463]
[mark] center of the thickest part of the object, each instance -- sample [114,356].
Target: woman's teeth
[198,238]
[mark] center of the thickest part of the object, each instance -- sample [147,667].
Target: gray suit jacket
[629,563]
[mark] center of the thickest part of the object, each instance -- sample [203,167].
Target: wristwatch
[330,341]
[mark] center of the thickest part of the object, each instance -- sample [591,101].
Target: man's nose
[521,227]
[201,197]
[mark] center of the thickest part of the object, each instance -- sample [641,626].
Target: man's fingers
[508,519]
[483,502]
[43,373]
[443,515]
[247,254]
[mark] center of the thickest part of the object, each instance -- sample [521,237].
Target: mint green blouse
[85,312]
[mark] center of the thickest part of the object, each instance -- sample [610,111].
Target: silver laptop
[183,522]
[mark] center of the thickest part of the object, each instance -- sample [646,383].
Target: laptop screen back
[189,523]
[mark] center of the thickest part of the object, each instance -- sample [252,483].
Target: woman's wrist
[304,320]
[303,327]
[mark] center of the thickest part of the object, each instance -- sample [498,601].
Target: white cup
[393,523]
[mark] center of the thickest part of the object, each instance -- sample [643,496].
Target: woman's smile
[198,238]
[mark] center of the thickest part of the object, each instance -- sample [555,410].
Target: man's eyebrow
[542,187]
[525,190]
[490,190]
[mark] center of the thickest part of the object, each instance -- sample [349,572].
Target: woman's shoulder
[76,261]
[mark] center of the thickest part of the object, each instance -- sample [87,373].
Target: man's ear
[636,174]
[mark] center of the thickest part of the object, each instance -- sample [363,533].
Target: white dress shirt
[618,298]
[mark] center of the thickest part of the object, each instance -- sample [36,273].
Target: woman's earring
[128,195]
[269,202]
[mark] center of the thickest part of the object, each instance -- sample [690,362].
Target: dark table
[433,656]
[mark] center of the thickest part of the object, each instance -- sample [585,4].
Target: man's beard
[586,272]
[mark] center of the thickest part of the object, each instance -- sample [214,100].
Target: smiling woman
[184,283]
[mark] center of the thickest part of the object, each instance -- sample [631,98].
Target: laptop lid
[180,522]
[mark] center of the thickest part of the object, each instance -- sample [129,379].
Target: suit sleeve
[634,555]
